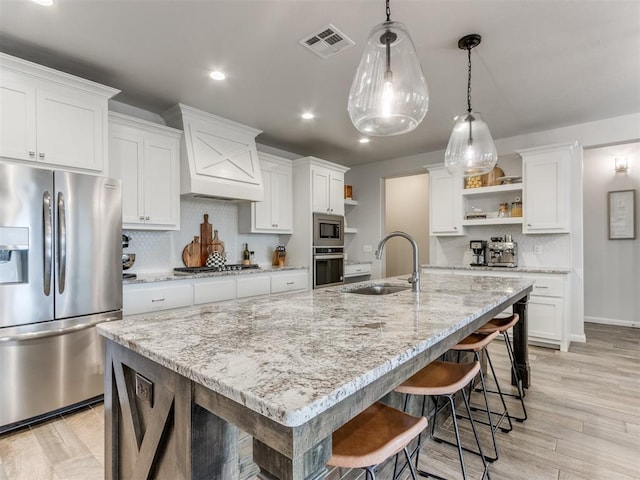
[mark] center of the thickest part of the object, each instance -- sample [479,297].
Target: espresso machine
[502,252]
[479,249]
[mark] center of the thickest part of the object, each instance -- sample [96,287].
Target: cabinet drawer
[548,287]
[208,291]
[254,285]
[144,298]
[288,282]
[355,270]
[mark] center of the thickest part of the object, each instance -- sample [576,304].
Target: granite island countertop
[169,276]
[554,270]
[292,357]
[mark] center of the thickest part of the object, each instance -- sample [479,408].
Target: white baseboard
[578,338]
[612,321]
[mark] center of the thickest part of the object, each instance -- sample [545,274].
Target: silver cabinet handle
[455,228]
[141,217]
[154,300]
[290,283]
[47,244]
[62,243]
[147,218]
[528,224]
[32,153]
[541,286]
[41,155]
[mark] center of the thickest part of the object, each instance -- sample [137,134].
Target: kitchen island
[287,370]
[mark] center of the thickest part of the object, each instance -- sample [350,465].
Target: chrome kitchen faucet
[415,276]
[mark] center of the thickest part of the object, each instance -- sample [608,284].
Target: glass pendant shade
[389,93]
[471,150]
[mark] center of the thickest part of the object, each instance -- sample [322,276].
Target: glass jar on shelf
[503,210]
[516,208]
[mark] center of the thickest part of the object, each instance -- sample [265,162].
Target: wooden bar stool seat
[475,342]
[503,325]
[373,436]
[443,379]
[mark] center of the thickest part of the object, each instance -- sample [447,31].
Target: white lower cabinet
[253,285]
[289,281]
[548,309]
[151,297]
[207,290]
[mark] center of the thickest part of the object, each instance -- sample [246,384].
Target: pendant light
[471,150]
[389,94]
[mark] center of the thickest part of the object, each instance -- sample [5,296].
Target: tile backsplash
[161,251]
[554,249]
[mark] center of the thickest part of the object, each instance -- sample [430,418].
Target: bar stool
[444,379]
[477,343]
[373,436]
[502,325]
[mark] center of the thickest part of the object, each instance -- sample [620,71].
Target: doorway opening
[406,202]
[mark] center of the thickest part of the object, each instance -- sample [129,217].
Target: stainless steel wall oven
[328,266]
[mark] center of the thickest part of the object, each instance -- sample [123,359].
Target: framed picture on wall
[622,215]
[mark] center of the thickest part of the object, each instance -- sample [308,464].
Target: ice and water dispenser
[14,255]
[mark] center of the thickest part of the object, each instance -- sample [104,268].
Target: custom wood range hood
[218,156]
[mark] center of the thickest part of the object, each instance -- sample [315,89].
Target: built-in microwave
[328,230]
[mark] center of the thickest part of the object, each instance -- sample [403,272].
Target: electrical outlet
[537,249]
[144,389]
[367,248]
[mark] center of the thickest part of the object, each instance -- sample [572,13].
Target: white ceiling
[541,64]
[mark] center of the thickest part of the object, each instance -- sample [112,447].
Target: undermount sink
[379,289]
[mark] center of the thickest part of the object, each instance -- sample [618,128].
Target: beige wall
[406,209]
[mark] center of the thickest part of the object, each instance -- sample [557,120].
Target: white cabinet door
[262,214]
[320,181]
[445,203]
[545,317]
[17,119]
[126,163]
[160,181]
[546,189]
[281,200]
[336,194]
[289,281]
[253,285]
[70,129]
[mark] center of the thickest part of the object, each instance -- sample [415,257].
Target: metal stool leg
[485,473]
[516,378]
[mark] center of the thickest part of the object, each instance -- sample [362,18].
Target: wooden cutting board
[490,179]
[205,236]
[191,254]
[216,244]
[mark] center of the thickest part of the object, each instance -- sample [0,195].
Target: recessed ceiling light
[364,140]
[307,115]
[46,3]
[217,75]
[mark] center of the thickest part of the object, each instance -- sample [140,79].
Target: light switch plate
[537,249]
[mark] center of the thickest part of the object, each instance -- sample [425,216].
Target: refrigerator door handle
[62,243]
[19,337]
[48,241]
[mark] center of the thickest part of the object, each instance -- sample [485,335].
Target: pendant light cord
[388,12]
[469,82]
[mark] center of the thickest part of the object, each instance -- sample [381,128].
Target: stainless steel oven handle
[62,243]
[56,332]
[329,257]
[47,244]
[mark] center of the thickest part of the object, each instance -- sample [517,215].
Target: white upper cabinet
[145,157]
[51,117]
[445,203]
[275,213]
[327,187]
[546,177]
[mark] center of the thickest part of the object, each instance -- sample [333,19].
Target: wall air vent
[327,41]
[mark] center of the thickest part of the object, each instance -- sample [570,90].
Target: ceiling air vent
[327,41]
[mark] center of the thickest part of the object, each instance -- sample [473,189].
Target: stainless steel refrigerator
[60,275]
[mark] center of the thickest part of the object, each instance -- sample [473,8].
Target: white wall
[612,267]
[406,201]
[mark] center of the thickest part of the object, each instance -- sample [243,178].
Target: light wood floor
[584,423]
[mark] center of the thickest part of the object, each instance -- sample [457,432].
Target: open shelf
[493,221]
[510,187]
[350,230]
[348,201]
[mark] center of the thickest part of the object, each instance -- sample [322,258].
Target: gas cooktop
[224,268]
